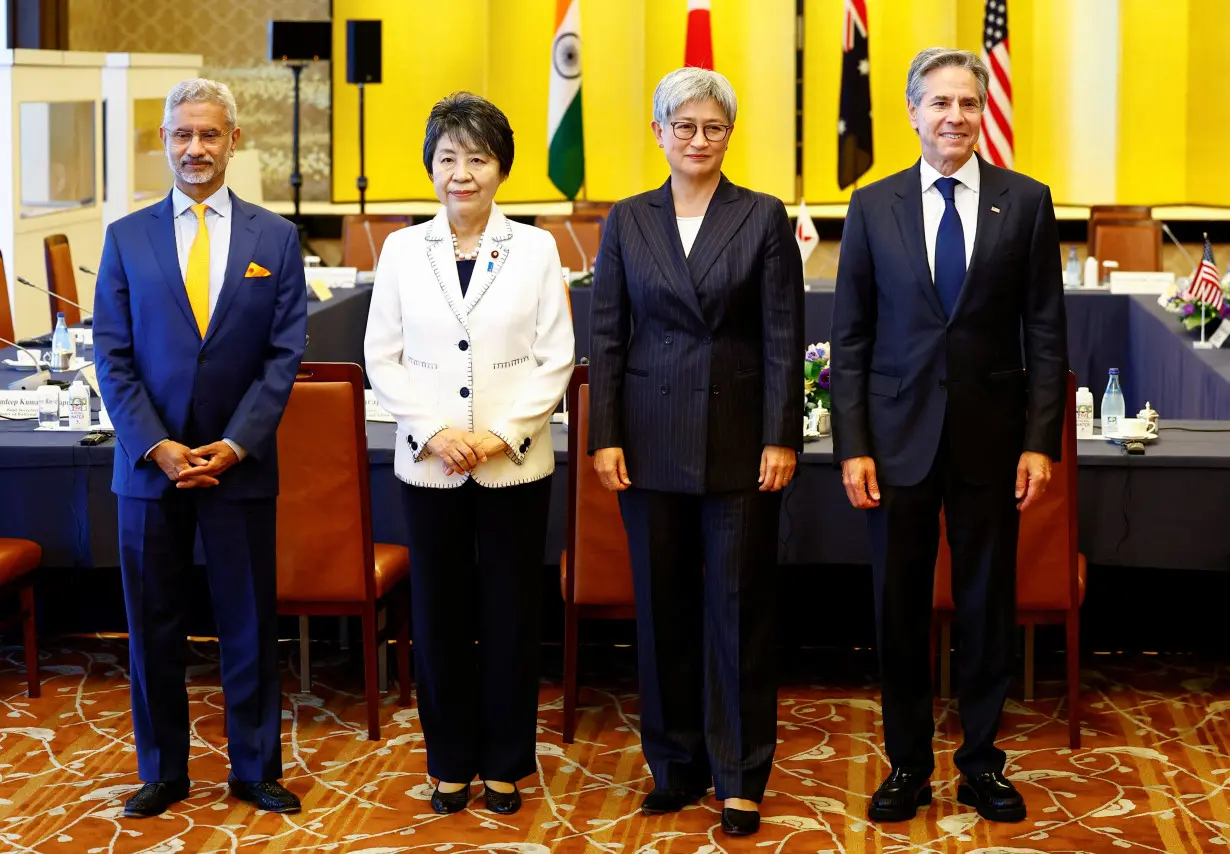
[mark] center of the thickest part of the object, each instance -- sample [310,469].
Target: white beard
[201,177]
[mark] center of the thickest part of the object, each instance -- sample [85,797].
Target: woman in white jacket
[470,347]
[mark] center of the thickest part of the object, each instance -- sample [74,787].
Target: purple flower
[813,354]
[1188,309]
[823,380]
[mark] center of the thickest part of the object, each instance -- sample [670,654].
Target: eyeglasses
[209,138]
[687,130]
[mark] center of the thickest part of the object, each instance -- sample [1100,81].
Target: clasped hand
[461,452]
[194,468]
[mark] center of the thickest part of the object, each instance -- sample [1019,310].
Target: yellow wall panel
[1208,104]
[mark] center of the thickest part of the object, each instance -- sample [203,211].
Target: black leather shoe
[155,798]
[661,801]
[900,796]
[504,803]
[993,796]
[740,822]
[265,795]
[450,802]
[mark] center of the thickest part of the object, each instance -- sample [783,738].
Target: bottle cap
[1082,388]
[59,314]
[1114,372]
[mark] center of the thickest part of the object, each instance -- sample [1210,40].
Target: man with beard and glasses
[199,327]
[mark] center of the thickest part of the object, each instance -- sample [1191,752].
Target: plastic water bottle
[1084,413]
[1113,408]
[78,406]
[1073,272]
[61,345]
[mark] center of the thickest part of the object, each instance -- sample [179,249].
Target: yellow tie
[197,280]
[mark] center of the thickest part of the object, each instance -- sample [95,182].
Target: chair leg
[305,656]
[382,649]
[571,640]
[29,627]
[343,633]
[401,613]
[946,657]
[1074,678]
[371,678]
[1029,662]
[932,645]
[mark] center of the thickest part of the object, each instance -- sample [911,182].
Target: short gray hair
[945,57]
[201,90]
[692,84]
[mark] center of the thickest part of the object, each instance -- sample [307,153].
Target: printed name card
[1219,337]
[18,404]
[333,277]
[320,289]
[375,412]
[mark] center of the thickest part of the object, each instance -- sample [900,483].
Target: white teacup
[1137,428]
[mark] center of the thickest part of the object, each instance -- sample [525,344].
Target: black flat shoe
[504,803]
[270,796]
[900,796]
[154,798]
[662,801]
[740,822]
[995,798]
[450,802]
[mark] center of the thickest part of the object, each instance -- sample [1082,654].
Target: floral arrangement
[1189,312]
[816,377]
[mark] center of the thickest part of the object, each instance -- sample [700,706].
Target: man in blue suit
[949,371]
[199,327]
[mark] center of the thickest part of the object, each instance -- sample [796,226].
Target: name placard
[375,412]
[320,289]
[1140,282]
[1219,338]
[18,405]
[333,277]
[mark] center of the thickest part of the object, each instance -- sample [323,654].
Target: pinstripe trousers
[704,571]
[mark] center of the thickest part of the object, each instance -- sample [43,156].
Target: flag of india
[565,146]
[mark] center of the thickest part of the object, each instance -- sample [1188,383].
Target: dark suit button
[715,389]
[668,339]
[202,403]
[527,441]
[465,392]
[665,389]
[463,345]
[705,340]
[200,360]
[414,446]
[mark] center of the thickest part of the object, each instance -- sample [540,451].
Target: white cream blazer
[498,360]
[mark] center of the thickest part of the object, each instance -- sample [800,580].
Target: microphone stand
[361,183]
[40,377]
[85,321]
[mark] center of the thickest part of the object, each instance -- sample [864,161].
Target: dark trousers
[704,570]
[240,537]
[983,523]
[476,554]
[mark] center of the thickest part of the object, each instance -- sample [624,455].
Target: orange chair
[61,278]
[6,313]
[18,560]
[586,208]
[1050,577]
[1134,244]
[327,563]
[595,569]
[363,237]
[578,240]
[1108,212]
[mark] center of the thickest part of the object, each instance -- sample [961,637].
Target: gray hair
[692,84]
[200,90]
[945,57]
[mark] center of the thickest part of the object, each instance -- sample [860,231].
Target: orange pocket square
[256,271]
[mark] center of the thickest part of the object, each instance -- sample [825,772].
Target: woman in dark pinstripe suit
[696,396]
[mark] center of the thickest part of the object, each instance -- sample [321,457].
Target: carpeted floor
[1150,777]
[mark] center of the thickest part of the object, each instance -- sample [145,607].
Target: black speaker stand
[362,182]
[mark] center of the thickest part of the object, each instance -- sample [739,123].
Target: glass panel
[151,176]
[57,156]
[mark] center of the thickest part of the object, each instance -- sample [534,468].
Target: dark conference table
[1162,510]
[1154,354]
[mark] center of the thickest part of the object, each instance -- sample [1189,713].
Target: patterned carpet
[1151,776]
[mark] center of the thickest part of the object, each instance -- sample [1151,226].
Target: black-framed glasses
[687,130]
[209,138]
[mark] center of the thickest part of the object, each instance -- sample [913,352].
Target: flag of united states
[997,144]
[1205,285]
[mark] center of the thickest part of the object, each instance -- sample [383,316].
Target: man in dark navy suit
[949,372]
[200,323]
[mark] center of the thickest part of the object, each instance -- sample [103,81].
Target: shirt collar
[969,174]
[219,202]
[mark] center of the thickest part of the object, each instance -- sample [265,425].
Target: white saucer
[1144,438]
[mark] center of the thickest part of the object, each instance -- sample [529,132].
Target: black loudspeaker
[363,52]
[300,41]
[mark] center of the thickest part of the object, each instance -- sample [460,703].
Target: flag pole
[1203,344]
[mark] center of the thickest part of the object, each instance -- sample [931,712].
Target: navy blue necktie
[949,248]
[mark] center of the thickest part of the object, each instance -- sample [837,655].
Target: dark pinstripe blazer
[696,362]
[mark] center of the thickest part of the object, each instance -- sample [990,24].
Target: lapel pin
[994,209]
[495,253]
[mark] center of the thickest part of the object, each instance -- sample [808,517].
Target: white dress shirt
[218,221]
[689,227]
[965,197]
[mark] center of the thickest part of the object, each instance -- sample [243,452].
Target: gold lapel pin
[994,209]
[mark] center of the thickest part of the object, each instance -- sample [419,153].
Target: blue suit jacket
[995,373]
[159,379]
[697,361]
